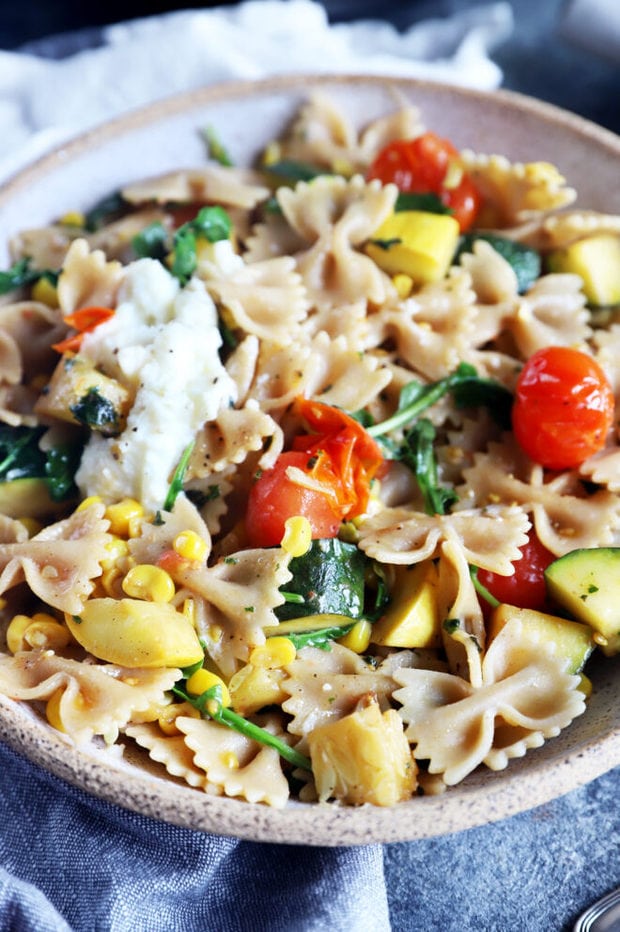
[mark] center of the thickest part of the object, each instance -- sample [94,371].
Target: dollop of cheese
[163,344]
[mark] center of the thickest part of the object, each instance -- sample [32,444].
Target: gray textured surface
[533,873]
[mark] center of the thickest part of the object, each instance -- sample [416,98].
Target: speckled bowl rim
[559,767]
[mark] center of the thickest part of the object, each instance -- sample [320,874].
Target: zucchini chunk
[329,578]
[572,639]
[586,583]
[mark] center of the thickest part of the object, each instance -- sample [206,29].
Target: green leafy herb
[21,273]
[451,625]
[22,458]
[418,453]
[329,578]
[176,484]
[216,150]
[430,203]
[96,411]
[105,210]
[321,638]
[151,242]
[210,223]
[210,705]
[293,171]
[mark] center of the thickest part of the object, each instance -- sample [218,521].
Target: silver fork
[602,916]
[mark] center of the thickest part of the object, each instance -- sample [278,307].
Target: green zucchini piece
[525,262]
[330,579]
[586,583]
[572,639]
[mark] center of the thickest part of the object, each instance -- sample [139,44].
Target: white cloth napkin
[44,101]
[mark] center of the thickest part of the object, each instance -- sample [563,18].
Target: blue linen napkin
[72,863]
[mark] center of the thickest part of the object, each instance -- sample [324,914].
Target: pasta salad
[309,473]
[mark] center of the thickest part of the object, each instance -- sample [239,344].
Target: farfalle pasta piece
[46,247]
[59,563]
[337,216]
[215,184]
[155,539]
[433,330]
[491,537]
[561,230]
[236,764]
[552,313]
[266,299]
[88,278]
[325,685]
[603,468]
[172,752]
[521,696]
[96,699]
[565,516]
[240,593]
[235,433]
[514,192]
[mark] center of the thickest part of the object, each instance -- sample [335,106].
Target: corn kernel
[202,680]
[120,515]
[52,710]
[272,153]
[150,583]
[230,760]
[342,167]
[116,549]
[45,292]
[15,632]
[585,685]
[297,538]
[275,652]
[403,284]
[167,719]
[87,502]
[46,634]
[215,633]
[134,525]
[73,218]
[358,637]
[191,546]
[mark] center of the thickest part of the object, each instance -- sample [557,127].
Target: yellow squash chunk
[572,639]
[412,619]
[415,243]
[597,260]
[252,688]
[363,758]
[586,582]
[27,498]
[71,382]
[134,633]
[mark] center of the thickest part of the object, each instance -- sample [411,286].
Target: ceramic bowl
[166,136]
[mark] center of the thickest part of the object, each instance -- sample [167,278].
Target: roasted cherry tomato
[274,497]
[526,587]
[429,165]
[340,460]
[564,407]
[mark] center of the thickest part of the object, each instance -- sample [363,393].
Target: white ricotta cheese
[163,342]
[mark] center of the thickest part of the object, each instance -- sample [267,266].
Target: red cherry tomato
[526,587]
[274,498]
[421,166]
[564,407]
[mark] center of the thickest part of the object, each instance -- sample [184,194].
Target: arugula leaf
[22,458]
[210,705]
[474,392]
[293,171]
[210,223]
[60,469]
[429,202]
[21,273]
[482,590]
[96,411]
[321,638]
[151,242]
[419,455]
[176,485]
[104,211]
[216,150]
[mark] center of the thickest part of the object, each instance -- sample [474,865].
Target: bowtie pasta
[310,475]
